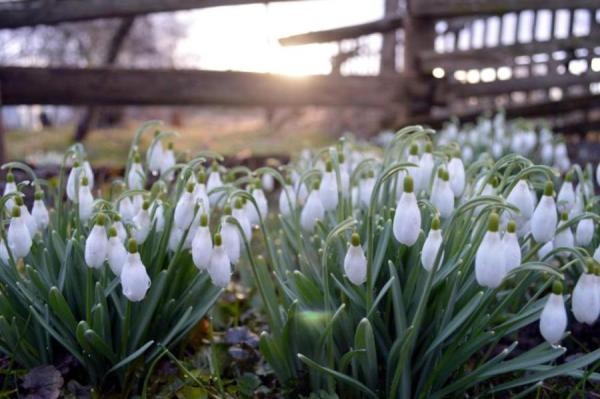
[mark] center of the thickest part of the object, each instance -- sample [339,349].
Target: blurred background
[249,78]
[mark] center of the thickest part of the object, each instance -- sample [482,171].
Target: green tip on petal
[117,217]
[204,218]
[112,232]
[10,178]
[511,227]
[227,210]
[76,164]
[564,216]
[315,185]
[201,177]
[238,203]
[100,219]
[408,184]
[494,181]
[156,133]
[494,222]
[435,223]
[146,205]
[590,265]
[428,147]
[214,167]
[328,166]
[19,200]
[84,181]
[414,149]
[557,287]
[170,146]
[189,188]
[341,158]
[355,240]
[218,240]
[549,189]
[136,157]
[370,173]
[39,195]
[288,180]
[132,246]
[569,176]
[16,212]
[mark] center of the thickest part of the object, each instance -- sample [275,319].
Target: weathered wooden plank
[16,14]
[383,25]
[114,86]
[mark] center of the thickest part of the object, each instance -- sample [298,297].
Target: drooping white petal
[365,189]
[126,209]
[564,238]
[142,225]
[425,171]
[242,219]
[545,249]
[586,299]
[116,255]
[10,187]
[355,265]
[214,181]
[512,251]
[490,261]
[544,219]
[154,157]
[89,173]
[86,203]
[553,320]
[520,196]
[202,248]
[75,175]
[442,197]
[566,197]
[261,201]
[286,200]
[268,182]
[40,214]
[4,256]
[184,211]
[431,248]
[134,278]
[456,169]
[136,176]
[312,211]
[18,238]
[231,241]
[407,219]
[96,247]
[29,220]
[219,267]
[328,191]
[168,161]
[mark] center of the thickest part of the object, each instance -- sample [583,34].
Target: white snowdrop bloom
[467,153]
[29,220]
[135,281]
[313,210]
[267,182]
[286,199]
[250,210]
[413,171]
[425,168]
[175,237]
[118,224]
[442,196]
[365,188]
[18,237]
[490,260]
[263,206]
[584,232]
[407,218]
[4,255]
[116,252]
[544,218]
[168,161]
[136,175]
[512,249]
[355,196]
[231,237]
[89,172]
[456,170]
[578,206]
[564,238]
[219,266]
[523,227]
[142,224]
[96,244]
[76,174]
[585,302]
[158,216]
[154,156]
[201,193]
[184,210]
[126,209]
[565,200]
[432,246]
[86,200]
[520,196]
[202,244]
[547,153]
[214,182]
[10,187]
[240,214]
[355,262]
[545,249]
[560,151]
[328,190]
[553,320]
[344,175]
[597,254]
[39,212]
[598,174]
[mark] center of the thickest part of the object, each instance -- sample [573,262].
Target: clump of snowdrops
[409,272]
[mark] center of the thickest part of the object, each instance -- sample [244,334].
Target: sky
[245,37]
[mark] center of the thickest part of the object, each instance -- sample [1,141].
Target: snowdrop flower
[344,175]
[136,175]
[75,174]
[564,238]
[584,232]
[261,201]
[184,210]
[126,209]
[560,151]
[240,214]
[26,216]
[10,187]
[456,170]
[268,183]
[231,237]
[490,260]
[116,252]
[407,219]
[118,225]
[202,244]
[142,224]
[520,196]
[512,249]
[545,250]
[201,193]
[313,210]
[547,153]
[432,246]
[566,196]
[175,237]
[96,244]
[442,196]
[219,267]
[413,171]
[39,212]
[544,219]
[286,198]
[4,256]
[89,173]
[154,155]
[425,168]
[585,302]
[553,320]
[328,190]
[168,161]
[86,200]
[18,237]
[365,188]
[134,278]
[355,262]
[214,182]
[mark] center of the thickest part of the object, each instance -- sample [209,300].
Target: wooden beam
[504,54]
[498,87]
[387,24]
[460,8]
[115,86]
[16,14]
